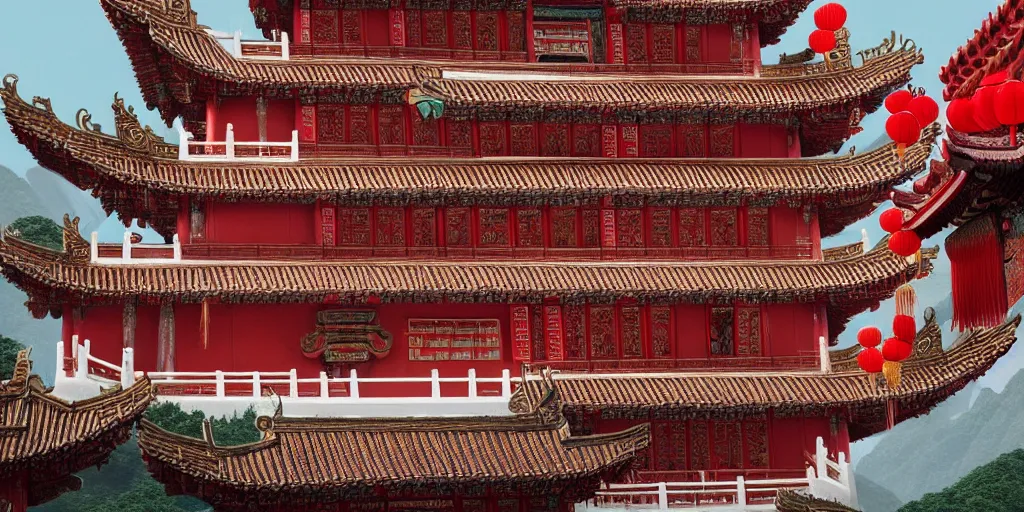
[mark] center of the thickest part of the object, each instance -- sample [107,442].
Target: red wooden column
[531,55]
[397,18]
[165,338]
[211,119]
[14,492]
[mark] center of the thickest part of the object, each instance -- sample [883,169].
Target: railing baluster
[435,384]
[256,392]
[82,371]
[353,384]
[127,368]
[285,49]
[662,496]
[506,383]
[471,383]
[293,383]
[219,375]
[741,491]
[324,389]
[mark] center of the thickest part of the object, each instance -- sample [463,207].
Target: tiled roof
[992,48]
[317,460]
[54,437]
[799,501]
[120,175]
[926,381]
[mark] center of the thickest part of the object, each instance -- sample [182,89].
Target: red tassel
[906,300]
[979,283]
[204,324]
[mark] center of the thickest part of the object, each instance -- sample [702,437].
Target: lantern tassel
[906,300]
[204,323]
[901,151]
[891,370]
[976,270]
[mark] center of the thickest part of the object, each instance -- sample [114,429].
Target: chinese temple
[494,256]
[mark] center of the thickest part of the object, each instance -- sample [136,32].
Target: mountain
[59,196]
[932,452]
[995,487]
[17,199]
[872,497]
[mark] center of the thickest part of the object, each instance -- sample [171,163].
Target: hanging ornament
[822,41]
[898,101]
[891,220]
[984,109]
[870,360]
[924,109]
[891,370]
[960,116]
[1009,103]
[830,16]
[906,300]
[869,337]
[904,130]
[904,243]
[897,350]
[904,328]
[204,323]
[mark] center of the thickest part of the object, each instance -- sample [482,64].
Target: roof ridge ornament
[130,130]
[889,45]
[84,120]
[76,249]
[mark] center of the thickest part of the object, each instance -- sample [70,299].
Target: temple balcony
[278,49]
[229,150]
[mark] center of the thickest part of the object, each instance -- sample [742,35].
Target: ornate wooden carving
[722,343]
[330,120]
[435,29]
[425,132]
[462,28]
[724,232]
[537,333]
[424,227]
[632,340]
[661,227]
[345,336]
[656,141]
[616,39]
[487,31]
[736,43]
[516,32]
[391,125]
[748,331]
[352,27]
[494,227]
[693,44]
[197,220]
[602,333]
[165,338]
[591,227]
[670,445]
[457,225]
[692,227]
[524,139]
[328,224]
[757,227]
[492,139]
[354,227]
[692,140]
[636,43]
[128,321]
[723,141]
[575,332]
[728,445]
[530,227]
[756,436]
[563,230]
[359,125]
[391,227]
[586,140]
[76,248]
[664,43]
[630,228]
[700,449]
[325,26]
[412,28]
[460,135]
[130,130]
[555,140]
[661,331]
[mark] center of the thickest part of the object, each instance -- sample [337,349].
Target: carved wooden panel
[412,28]
[391,227]
[693,44]
[537,333]
[352,27]
[636,43]
[630,228]
[736,43]
[435,29]
[661,331]
[563,227]
[586,140]
[661,227]
[615,40]
[460,134]
[555,140]
[359,125]
[492,139]
[494,227]
[629,140]
[524,139]
[530,227]
[425,132]
[487,31]
[700,448]
[692,227]
[632,340]
[609,141]
[728,445]
[722,331]
[575,333]
[354,227]
[328,224]
[663,39]
[748,331]
[669,445]
[307,132]
[424,227]
[457,227]
[516,31]
[330,123]
[756,437]
[723,141]
[462,28]
[591,227]
[391,125]
[656,141]
[724,229]
[692,141]
[325,26]
[757,227]
[602,333]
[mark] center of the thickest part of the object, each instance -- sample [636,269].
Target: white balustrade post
[127,368]
[256,391]
[324,388]
[294,156]
[435,384]
[662,496]
[293,383]
[74,348]
[865,241]
[821,458]
[126,246]
[94,247]
[846,477]
[59,373]
[176,245]
[183,139]
[82,371]
[471,382]
[353,384]
[506,383]
[237,44]
[741,491]
[825,360]
[219,375]
[285,50]
[229,142]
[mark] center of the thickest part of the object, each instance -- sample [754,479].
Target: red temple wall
[241,114]
[260,223]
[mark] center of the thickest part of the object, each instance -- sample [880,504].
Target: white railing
[738,494]
[249,49]
[88,374]
[126,257]
[198,384]
[824,359]
[231,151]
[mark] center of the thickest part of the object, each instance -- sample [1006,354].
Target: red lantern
[985,109]
[1009,102]
[869,337]
[903,129]
[898,101]
[924,109]
[822,41]
[960,115]
[870,360]
[905,243]
[904,328]
[996,78]
[896,351]
[831,17]
[891,220]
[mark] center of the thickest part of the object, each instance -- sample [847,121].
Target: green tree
[232,431]
[995,487]
[40,231]
[8,354]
